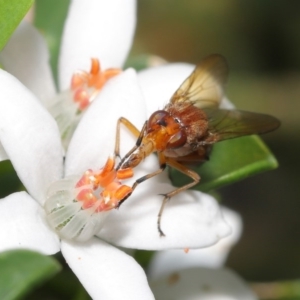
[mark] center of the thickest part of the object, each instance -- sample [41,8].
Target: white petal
[26,57]
[160,83]
[23,225]
[190,220]
[97,28]
[106,272]
[29,136]
[204,284]
[94,138]
[166,262]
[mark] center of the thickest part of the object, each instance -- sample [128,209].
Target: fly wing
[227,124]
[205,86]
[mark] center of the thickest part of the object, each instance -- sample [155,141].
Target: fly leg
[134,131]
[162,166]
[130,127]
[196,178]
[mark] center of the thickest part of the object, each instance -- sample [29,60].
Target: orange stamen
[108,167]
[125,173]
[95,67]
[122,192]
[107,174]
[103,190]
[86,85]
[109,73]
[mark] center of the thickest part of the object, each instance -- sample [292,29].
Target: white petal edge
[97,28]
[29,136]
[26,56]
[24,225]
[94,138]
[166,262]
[160,83]
[105,271]
[204,284]
[190,220]
[3,154]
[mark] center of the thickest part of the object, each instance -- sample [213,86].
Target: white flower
[204,284]
[199,273]
[101,30]
[167,262]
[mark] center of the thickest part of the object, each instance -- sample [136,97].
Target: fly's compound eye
[177,140]
[158,119]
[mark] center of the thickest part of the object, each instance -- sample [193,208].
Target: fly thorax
[192,119]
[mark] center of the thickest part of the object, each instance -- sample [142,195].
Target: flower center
[76,208]
[85,86]
[68,106]
[103,190]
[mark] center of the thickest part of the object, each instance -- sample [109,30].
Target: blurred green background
[261,41]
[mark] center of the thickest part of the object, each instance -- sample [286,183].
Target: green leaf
[139,62]
[12,12]
[231,161]
[143,257]
[22,270]
[50,18]
[9,179]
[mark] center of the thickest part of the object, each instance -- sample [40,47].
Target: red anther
[86,179]
[87,198]
[78,80]
[80,95]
